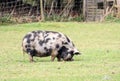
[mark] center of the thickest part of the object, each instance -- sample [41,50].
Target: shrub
[5,19]
[111,18]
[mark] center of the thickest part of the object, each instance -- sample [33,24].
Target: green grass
[99,44]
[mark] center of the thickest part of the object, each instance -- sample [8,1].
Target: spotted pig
[49,43]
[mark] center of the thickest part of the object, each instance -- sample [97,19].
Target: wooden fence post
[84,9]
[42,10]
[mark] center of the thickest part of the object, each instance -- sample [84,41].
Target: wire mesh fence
[30,10]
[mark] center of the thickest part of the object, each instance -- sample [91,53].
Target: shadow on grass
[44,60]
[35,61]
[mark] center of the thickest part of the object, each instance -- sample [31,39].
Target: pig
[42,43]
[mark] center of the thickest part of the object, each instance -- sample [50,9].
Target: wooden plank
[110,0]
[90,1]
[90,19]
[84,9]
[91,10]
[100,0]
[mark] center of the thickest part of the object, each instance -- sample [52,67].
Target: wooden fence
[34,10]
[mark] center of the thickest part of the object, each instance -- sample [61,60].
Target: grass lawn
[99,44]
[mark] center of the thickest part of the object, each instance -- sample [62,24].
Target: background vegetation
[99,44]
